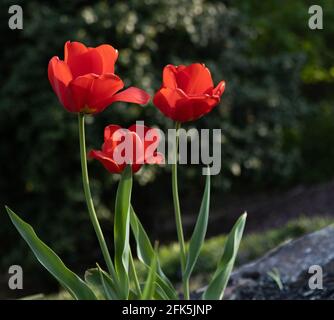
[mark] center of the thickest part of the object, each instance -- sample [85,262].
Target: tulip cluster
[85,84]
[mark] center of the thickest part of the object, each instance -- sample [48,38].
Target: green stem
[134,274]
[178,219]
[89,200]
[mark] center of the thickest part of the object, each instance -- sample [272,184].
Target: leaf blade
[216,288]
[109,287]
[150,283]
[121,229]
[101,281]
[51,261]
[199,232]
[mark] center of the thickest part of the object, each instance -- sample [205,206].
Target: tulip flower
[85,82]
[136,146]
[187,92]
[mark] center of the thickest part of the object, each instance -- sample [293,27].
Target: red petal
[80,91]
[140,130]
[113,136]
[190,109]
[219,89]
[123,146]
[165,100]
[59,76]
[93,92]
[150,137]
[103,90]
[137,158]
[110,130]
[127,148]
[109,56]
[132,95]
[83,60]
[107,162]
[85,63]
[72,50]
[194,79]
[168,77]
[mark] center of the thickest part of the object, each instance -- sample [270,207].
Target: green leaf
[110,288]
[92,278]
[199,233]
[121,229]
[150,283]
[216,288]
[133,295]
[160,294]
[49,259]
[102,282]
[145,253]
[275,275]
[133,276]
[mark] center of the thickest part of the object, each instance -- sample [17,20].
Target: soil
[265,210]
[267,289]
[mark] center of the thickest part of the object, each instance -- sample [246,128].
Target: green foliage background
[276,115]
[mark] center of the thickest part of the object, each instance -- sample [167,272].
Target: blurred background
[277,117]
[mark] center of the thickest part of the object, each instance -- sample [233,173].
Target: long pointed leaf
[199,233]
[160,294]
[216,288]
[150,283]
[102,283]
[121,229]
[110,289]
[145,253]
[92,278]
[49,259]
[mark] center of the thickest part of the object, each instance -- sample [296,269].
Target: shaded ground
[267,210]
[267,289]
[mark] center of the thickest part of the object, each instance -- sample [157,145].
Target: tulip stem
[177,211]
[89,200]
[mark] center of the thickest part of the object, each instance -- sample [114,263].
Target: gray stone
[291,261]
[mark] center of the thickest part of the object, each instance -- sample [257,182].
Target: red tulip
[136,145]
[187,92]
[85,81]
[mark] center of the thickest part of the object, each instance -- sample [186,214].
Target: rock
[291,262]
